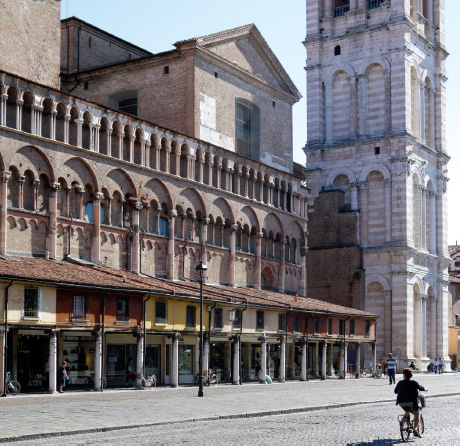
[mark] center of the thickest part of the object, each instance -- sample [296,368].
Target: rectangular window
[281,322]
[340,327]
[296,324]
[368,329]
[218,318]
[161,313]
[191,316]
[260,320]
[122,310]
[247,128]
[315,326]
[352,328]
[329,326]
[237,318]
[79,307]
[166,69]
[31,302]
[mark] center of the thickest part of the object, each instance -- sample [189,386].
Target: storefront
[120,348]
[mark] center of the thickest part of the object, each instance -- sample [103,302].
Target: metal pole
[5,339]
[200,389]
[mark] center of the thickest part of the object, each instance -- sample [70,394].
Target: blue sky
[155,25]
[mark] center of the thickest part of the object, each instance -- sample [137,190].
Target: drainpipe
[127,248]
[140,253]
[70,232]
[239,341]
[145,337]
[308,318]
[5,355]
[344,335]
[103,341]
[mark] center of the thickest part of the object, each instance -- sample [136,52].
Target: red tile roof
[73,272]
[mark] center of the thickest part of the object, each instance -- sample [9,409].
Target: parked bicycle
[209,377]
[12,385]
[406,421]
[90,385]
[141,382]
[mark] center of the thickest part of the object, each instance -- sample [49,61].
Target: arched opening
[13,188]
[46,118]
[60,122]
[127,143]
[26,124]
[138,147]
[11,105]
[173,158]
[103,147]
[73,126]
[86,131]
[43,195]
[115,143]
[184,161]
[163,154]
[29,191]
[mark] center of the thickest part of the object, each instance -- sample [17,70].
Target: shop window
[368,329]
[281,322]
[237,318]
[352,328]
[329,326]
[122,310]
[161,313]
[191,316]
[295,328]
[79,307]
[31,302]
[186,359]
[315,326]
[341,324]
[218,318]
[260,320]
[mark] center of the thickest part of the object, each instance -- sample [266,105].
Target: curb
[195,420]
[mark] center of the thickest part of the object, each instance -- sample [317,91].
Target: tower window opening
[377,150]
[337,50]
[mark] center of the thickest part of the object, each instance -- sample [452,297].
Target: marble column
[263,360]
[283,359]
[175,360]
[52,384]
[170,255]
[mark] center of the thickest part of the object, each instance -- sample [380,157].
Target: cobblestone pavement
[36,415]
[369,424]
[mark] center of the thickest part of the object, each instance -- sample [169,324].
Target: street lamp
[201,272]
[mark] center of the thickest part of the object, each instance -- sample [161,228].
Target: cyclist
[407,391]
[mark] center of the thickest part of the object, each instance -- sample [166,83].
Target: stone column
[210,166]
[388,110]
[303,364]
[283,359]
[121,137]
[263,360]
[423,326]
[145,153]
[324,360]
[5,176]
[422,110]
[36,187]
[19,104]
[22,179]
[303,264]
[98,359]
[342,368]
[219,173]
[432,244]
[238,182]
[362,107]
[246,185]
[201,172]
[236,360]
[374,357]
[358,361]
[140,354]
[53,125]
[157,155]
[170,255]
[231,265]
[423,198]
[328,113]
[175,360]
[52,384]
[363,206]
[329,8]
[66,128]
[96,242]
[432,118]
[204,238]
[388,210]
[96,143]
[354,196]
[109,142]
[3,98]
[353,105]
[132,138]
[282,273]
[258,269]
[79,123]
[54,187]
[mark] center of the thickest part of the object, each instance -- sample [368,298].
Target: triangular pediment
[245,48]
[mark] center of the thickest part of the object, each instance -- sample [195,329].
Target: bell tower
[376,131]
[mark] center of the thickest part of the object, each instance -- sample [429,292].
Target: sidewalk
[34,416]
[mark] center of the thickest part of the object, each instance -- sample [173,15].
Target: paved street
[89,412]
[373,424]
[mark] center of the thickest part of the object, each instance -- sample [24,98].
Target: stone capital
[172,214]
[98,196]
[55,186]
[205,221]
[6,175]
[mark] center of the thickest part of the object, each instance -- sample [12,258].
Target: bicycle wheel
[404,427]
[138,384]
[89,384]
[14,387]
[421,425]
[214,379]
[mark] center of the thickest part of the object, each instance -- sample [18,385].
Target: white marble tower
[376,129]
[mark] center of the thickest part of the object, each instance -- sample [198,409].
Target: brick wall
[30,38]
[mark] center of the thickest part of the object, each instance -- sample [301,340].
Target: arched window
[247,129]
[337,50]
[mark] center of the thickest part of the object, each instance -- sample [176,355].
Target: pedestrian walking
[384,366]
[436,364]
[46,374]
[391,366]
[440,364]
[62,376]
[130,372]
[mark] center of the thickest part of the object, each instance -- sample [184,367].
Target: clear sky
[156,24]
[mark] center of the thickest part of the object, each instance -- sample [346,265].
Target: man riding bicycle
[407,391]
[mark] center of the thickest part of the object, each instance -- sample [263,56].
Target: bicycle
[378,372]
[12,385]
[365,373]
[90,385]
[209,377]
[406,422]
[141,382]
